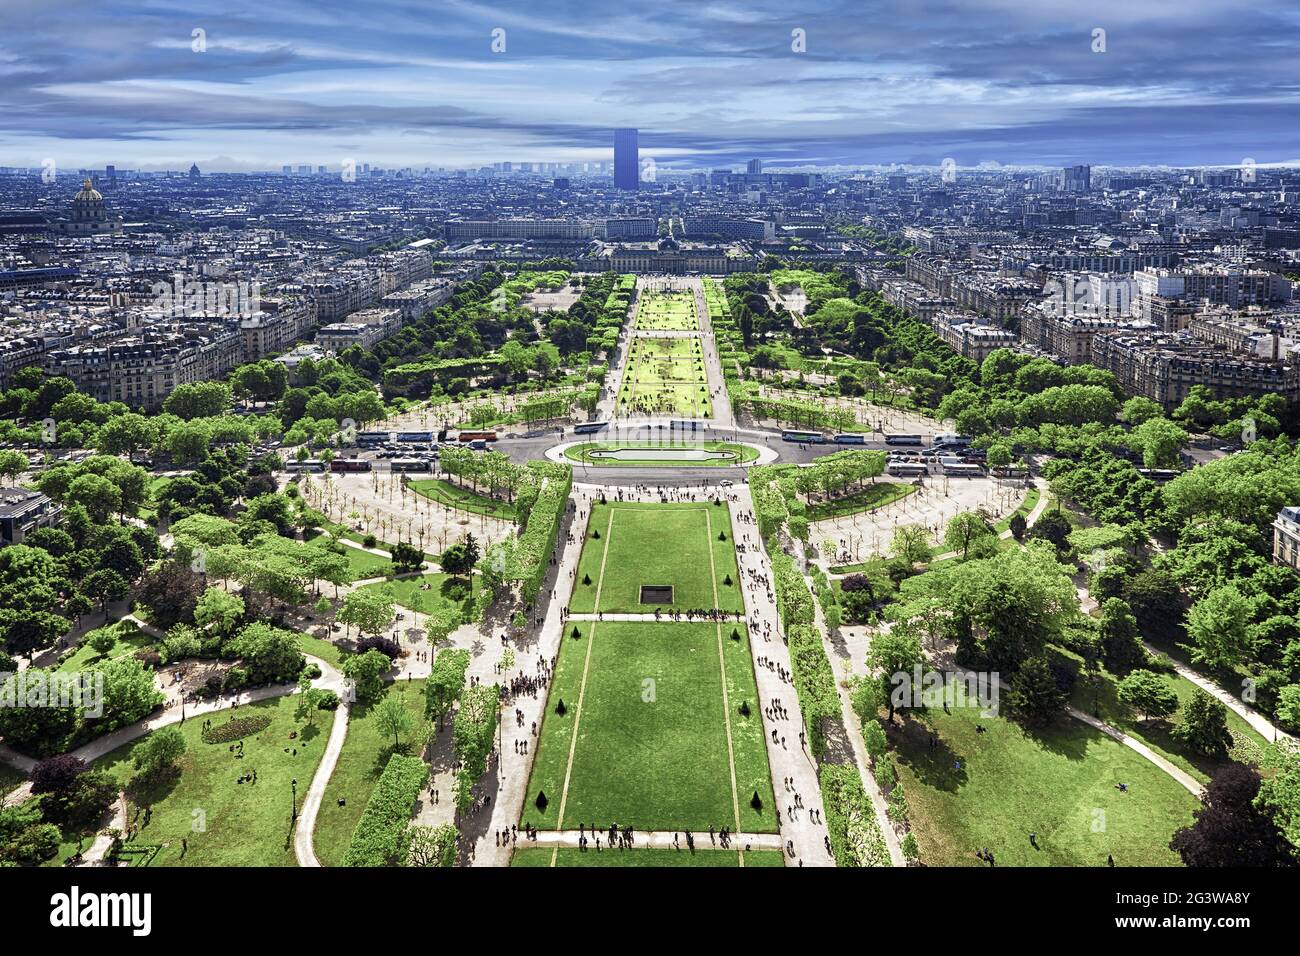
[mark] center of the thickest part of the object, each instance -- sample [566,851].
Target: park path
[786,758]
[653,840]
[303,837]
[723,414]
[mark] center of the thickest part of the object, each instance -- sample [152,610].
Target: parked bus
[310,464]
[850,438]
[411,464]
[963,471]
[350,464]
[415,436]
[467,437]
[951,441]
[366,439]
[807,438]
[903,440]
[685,424]
[906,469]
[586,428]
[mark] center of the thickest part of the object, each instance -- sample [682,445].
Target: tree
[1288,707]
[159,751]
[366,671]
[1204,725]
[392,717]
[1052,526]
[370,611]
[271,654]
[1219,627]
[911,543]
[309,700]
[1121,641]
[407,557]
[970,535]
[460,558]
[219,612]
[171,591]
[1148,694]
[56,774]
[1158,441]
[446,683]
[12,464]
[101,640]
[893,656]
[1035,698]
[1229,828]
[431,846]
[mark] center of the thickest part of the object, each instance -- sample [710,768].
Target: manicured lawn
[666,312]
[364,565]
[129,640]
[364,756]
[407,592]
[736,454]
[651,749]
[872,496]
[1060,784]
[327,651]
[657,544]
[1155,734]
[228,823]
[464,499]
[571,856]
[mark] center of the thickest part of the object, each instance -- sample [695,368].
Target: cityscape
[543,472]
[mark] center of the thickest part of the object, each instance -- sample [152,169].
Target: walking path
[785,756]
[303,846]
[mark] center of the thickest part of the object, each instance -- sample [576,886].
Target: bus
[472,436]
[685,424]
[411,464]
[903,440]
[349,464]
[310,464]
[366,439]
[906,469]
[415,436]
[586,428]
[951,441]
[963,471]
[850,438]
[807,438]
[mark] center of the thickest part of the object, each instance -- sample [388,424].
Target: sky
[240,85]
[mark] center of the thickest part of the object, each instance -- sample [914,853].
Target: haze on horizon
[1180,83]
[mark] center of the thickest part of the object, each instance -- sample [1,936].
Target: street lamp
[294,785]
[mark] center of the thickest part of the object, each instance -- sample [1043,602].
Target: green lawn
[364,756]
[872,496]
[657,544]
[364,565]
[464,499]
[738,454]
[129,640]
[1026,506]
[666,312]
[1060,784]
[443,589]
[228,823]
[651,750]
[327,651]
[1155,734]
[703,856]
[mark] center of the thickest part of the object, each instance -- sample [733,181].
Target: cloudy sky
[239,84]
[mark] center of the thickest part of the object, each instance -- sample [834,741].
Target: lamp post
[294,785]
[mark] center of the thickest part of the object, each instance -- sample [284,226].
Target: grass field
[1060,784]
[872,496]
[666,312]
[571,856]
[364,565]
[463,499]
[443,589]
[363,758]
[646,703]
[129,640]
[228,823]
[664,544]
[739,454]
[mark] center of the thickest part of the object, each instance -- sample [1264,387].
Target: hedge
[541,508]
[378,838]
[856,840]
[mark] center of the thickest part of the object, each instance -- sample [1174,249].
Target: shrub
[379,837]
[236,728]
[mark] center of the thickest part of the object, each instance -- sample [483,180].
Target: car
[725,483]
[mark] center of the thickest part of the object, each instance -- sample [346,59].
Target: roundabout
[660,454]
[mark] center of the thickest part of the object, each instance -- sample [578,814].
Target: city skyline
[161,85]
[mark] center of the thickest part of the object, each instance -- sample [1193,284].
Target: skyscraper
[755,167]
[626,161]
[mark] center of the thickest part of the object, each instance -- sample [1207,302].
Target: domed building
[89,214]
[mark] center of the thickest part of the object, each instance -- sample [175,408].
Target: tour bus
[850,438]
[350,464]
[1159,475]
[906,469]
[310,464]
[951,441]
[808,438]
[686,424]
[903,440]
[586,428]
[368,439]
[469,437]
[963,470]
[411,464]
[414,436]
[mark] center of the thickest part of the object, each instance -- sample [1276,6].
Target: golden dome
[88,192]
